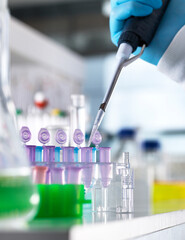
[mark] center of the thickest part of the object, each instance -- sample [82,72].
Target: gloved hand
[172,22]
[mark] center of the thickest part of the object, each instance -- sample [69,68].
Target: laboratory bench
[141,225]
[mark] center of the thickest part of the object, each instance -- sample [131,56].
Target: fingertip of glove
[158,4]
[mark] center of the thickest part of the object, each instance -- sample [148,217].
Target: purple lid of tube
[78,137]
[25,134]
[61,136]
[86,154]
[30,149]
[97,138]
[105,154]
[43,136]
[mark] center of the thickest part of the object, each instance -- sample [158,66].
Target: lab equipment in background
[4,58]
[77,116]
[59,118]
[21,118]
[125,142]
[169,184]
[151,151]
[145,171]
[18,196]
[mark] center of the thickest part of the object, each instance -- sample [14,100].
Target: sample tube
[87,172]
[73,175]
[105,174]
[127,185]
[72,172]
[86,154]
[39,174]
[68,154]
[77,116]
[48,153]
[57,175]
[30,149]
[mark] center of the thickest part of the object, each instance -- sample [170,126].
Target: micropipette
[137,32]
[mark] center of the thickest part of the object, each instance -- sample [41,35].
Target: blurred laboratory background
[61,64]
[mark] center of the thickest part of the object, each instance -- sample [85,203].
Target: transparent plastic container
[77,116]
[113,190]
[17,194]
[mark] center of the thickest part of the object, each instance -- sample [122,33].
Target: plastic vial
[127,186]
[77,116]
[87,172]
[100,189]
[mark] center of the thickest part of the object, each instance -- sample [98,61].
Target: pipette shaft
[123,54]
[137,32]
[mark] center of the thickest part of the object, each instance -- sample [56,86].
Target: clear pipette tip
[94,129]
[97,122]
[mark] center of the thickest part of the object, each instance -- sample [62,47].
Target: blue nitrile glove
[172,22]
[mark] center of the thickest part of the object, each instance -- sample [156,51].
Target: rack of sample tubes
[107,185]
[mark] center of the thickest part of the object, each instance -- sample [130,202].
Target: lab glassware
[17,194]
[77,116]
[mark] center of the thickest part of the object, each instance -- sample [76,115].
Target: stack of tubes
[74,165]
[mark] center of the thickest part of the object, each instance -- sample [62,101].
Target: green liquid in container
[16,196]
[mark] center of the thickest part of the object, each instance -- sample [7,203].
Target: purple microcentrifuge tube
[43,136]
[57,175]
[87,172]
[68,154]
[25,134]
[105,166]
[73,175]
[105,154]
[78,137]
[30,149]
[86,154]
[61,137]
[97,138]
[48,153]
